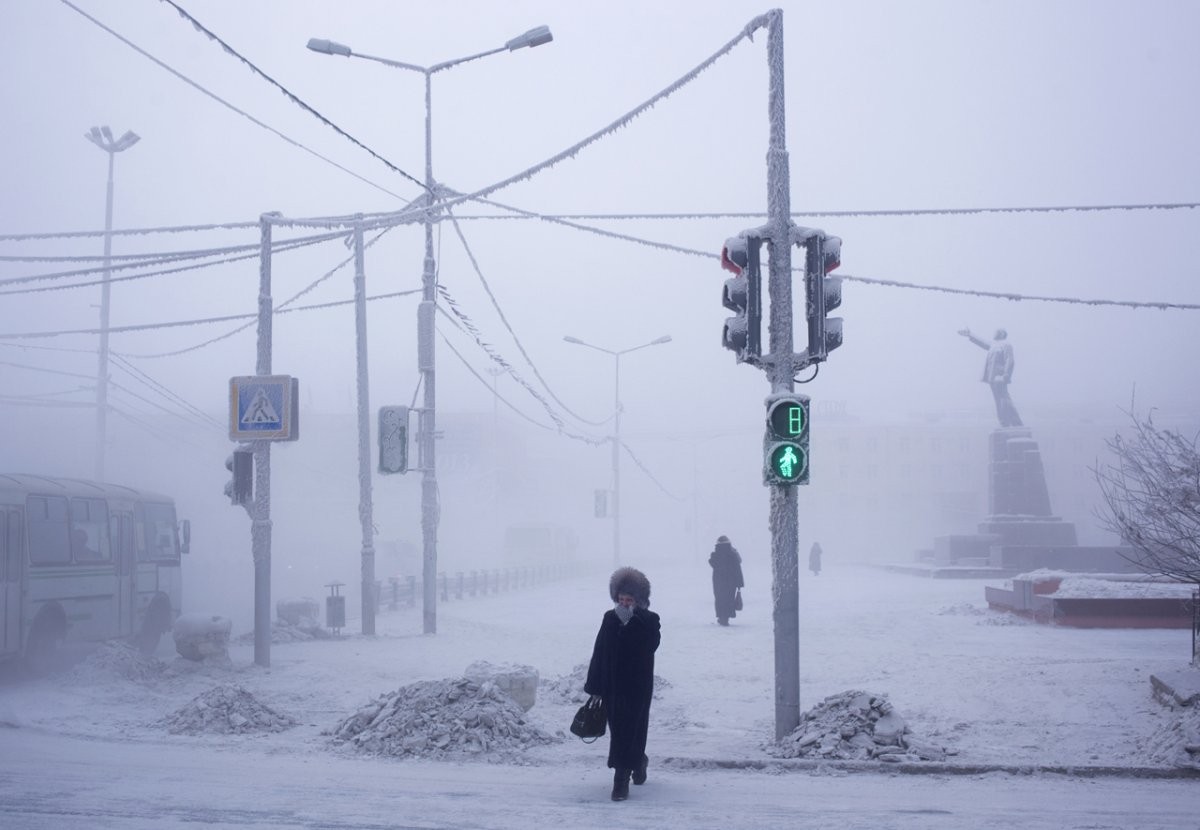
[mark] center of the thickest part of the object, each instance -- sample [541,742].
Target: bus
[84,561]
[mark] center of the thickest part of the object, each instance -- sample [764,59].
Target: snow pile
[518,681]
[854,726]
[457,718]
[201,636]
[226,710]
[1177,742]
[115,659]
[283,631]
[566,688]
[1089,587]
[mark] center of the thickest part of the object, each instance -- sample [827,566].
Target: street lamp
[102,137]
[616,440]
[426,309]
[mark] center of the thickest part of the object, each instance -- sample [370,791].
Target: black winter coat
[622,673]
[726,565]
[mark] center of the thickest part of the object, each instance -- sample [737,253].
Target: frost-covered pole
[785,586]
[425,359]
[260,519]
[364,435]
[102,138]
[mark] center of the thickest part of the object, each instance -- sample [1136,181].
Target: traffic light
[742,294]
[785,447]
[240,487]
[393,439]
[822,255]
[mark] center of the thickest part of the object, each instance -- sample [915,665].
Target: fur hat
[722,538]
[630,581]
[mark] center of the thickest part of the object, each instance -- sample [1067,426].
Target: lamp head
[329,47]
[534,37]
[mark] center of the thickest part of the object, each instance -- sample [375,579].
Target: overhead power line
[247,115]
[295,99]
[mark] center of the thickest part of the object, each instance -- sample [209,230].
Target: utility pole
[784,519]
[102,137]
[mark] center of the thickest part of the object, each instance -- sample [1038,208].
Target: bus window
[89,530]
[3,546]
[161,542]
[49,538]
[14,546]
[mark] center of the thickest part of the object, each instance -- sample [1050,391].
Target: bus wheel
[41,652]
[148,638]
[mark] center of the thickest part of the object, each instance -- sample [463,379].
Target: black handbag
[737,600]
[590,721]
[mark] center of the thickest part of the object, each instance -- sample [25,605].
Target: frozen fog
[1026,166]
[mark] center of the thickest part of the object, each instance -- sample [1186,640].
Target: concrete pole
[102,371]
[784,521]
[425,351]
[616,460]
[365,516]
[102,138]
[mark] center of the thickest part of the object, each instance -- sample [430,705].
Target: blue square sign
[262,408]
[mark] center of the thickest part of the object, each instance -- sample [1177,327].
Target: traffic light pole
[784,519]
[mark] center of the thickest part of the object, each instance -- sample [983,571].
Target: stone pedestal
[1020,532]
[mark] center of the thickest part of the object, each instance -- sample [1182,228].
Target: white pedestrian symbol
[260,410]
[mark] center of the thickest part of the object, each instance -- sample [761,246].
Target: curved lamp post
[616,439]
[426,309]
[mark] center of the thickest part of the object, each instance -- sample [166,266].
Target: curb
[933,768]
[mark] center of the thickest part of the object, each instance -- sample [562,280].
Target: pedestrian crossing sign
[263,408]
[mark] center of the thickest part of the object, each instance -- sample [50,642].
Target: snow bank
[226,710]
[855,726]
[457,718]
[118,660]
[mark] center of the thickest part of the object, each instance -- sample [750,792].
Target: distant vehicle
[84,561]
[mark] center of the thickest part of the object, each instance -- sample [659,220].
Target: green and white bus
[84,561]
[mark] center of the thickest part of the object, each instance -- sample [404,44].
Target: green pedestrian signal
[785,445]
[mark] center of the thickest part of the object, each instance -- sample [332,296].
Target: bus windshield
[161,541]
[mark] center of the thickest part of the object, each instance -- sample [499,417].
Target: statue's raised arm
[983,344]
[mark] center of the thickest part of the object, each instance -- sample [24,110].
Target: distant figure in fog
[726,565]
[814,559]
[79,545]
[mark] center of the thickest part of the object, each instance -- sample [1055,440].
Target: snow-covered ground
[984,687]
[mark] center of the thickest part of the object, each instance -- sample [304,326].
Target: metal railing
[403,591]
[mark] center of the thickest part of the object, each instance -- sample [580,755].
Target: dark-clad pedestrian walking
[622,675]
[727,580]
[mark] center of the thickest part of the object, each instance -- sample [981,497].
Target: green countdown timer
[788,461]
[788,420]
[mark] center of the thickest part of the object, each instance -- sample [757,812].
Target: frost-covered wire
[121,362]
[251,252]
[247,115]
[838,213]
[282,307]
[220,226]
[649,474]
[556,428]
[464,323]
[499,311]
[46,371]
[198,26]
[1016,297]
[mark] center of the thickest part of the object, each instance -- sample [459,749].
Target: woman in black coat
[622,675]
[726,565]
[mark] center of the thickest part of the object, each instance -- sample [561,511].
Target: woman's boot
[620,785]
[639,774]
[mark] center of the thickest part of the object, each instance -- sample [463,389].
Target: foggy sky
[922,105]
